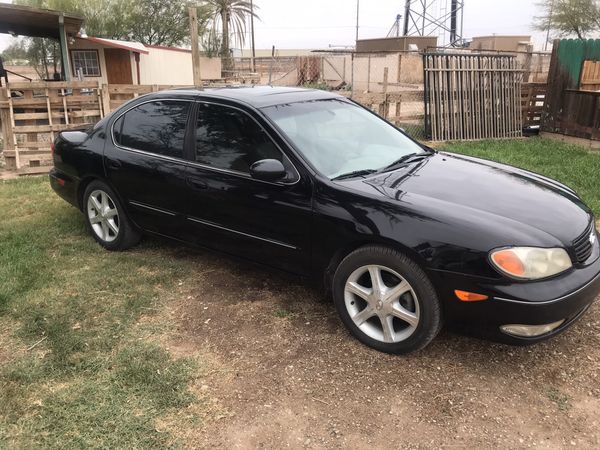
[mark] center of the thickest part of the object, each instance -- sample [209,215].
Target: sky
[309,24]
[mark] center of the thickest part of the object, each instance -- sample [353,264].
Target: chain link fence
[390,84]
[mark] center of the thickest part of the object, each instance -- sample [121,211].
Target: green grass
[561,400]
[574,166]
[91,381]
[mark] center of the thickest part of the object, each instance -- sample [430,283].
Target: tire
[400,314]
[105,218]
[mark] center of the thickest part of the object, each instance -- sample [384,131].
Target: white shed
[112,61]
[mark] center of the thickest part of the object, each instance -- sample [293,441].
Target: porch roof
[36,22]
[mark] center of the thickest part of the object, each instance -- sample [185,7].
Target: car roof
[256,96]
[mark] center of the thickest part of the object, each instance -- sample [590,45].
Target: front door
[146,163]
[228,210]
[118,66]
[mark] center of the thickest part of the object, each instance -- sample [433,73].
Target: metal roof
[36,22]
[133,46]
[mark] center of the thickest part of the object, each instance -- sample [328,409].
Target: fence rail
[31,114]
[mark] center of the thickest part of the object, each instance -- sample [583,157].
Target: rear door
[229,210]
[145,162]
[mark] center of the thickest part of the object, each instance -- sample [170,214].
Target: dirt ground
[281,371]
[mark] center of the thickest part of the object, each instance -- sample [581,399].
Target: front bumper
[530,303]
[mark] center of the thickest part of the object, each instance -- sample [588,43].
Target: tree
[151,22]
[16,52]
[570,17]
[230,17]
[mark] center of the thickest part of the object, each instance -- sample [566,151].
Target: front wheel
[105,218]
[386,300]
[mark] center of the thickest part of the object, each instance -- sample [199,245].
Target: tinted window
[339,137]
[156,127]
[229,139]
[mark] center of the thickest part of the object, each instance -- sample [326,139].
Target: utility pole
[195,49]
[252,33]
[357,11]
[353,52]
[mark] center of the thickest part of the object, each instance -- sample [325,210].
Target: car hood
[511,201]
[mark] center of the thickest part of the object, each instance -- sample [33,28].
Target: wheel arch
[85,182]
[344,251]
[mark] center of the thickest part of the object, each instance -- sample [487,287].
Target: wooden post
[195,49]
[385,80]
[384,106]
[64,53]
[252,36]
[527,64]
[11,117]
[105,100]
[398,78]
[271,65]
[369,74]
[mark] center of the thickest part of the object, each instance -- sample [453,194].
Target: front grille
[582,246]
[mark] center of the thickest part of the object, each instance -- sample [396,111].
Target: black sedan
[402,236]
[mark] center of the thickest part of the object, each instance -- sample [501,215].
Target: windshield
[338,137]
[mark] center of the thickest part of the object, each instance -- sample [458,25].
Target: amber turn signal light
[466,296]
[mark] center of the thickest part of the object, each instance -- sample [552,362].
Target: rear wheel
[106,219]
[386,300]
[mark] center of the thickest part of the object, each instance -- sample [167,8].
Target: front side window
[338,137]
[87,61]
[155,127]
[229,139]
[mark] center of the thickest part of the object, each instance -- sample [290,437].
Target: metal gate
[472,96]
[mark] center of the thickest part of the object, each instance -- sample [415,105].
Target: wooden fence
[579,115]
[572,105]
[472,96]
[590,76]
[31,114]
[533,96]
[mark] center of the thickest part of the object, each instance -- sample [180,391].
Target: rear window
[155,127]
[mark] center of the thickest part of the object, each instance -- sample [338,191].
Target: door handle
[196,183]
[113,164]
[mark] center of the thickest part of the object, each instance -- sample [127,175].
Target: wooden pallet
[32,113]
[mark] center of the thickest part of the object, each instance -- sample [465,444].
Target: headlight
[531,263]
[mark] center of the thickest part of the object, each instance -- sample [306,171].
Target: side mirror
[267,170]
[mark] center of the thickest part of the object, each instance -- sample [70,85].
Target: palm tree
[230,16]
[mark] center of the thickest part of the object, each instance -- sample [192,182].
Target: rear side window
[155,127]
[229,139]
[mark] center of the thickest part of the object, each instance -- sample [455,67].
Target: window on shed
[87,61]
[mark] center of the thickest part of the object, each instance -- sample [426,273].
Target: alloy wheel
[381,303]
[103,215]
